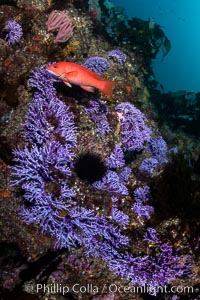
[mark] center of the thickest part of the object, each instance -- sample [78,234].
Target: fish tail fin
[106,86]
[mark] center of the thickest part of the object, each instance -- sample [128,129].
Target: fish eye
[55,66]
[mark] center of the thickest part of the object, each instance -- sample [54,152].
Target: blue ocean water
[180,20]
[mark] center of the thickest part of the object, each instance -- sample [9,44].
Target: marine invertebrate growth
[148,165]
[42,82]
[141,208]
[118,55]
[14,32]
[49,128]
[141,194]
[134,129]
[116,159]
[43,169]
[43,178]
[157,269]
[111,183]
[98,113]
[61,22]
[89,204]
[117,214]
[158,148]
[53,121]
[97,64]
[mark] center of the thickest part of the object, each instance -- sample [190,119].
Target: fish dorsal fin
[71,75]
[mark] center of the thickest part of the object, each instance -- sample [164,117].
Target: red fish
[72,73]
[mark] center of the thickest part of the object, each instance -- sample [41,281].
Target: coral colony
[98,114]
[116,159]
[43,169]
[59,21]
[117,55]
[14,32]
[134,129]
[141,195]
[158,148]
[97,64]
[148,165]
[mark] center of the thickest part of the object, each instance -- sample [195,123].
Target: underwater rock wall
[84,176]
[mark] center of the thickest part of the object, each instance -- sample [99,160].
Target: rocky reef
[99,193]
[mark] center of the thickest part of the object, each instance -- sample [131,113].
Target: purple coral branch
[14,32]
[134,129]
[52,120]
[124,174]
[118,55]
[158,148]
[98,113]
[116,159]
[97,64]
[111,183]
[141,194]
[148,165]
[152,270]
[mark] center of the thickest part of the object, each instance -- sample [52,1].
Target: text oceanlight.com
[112,288]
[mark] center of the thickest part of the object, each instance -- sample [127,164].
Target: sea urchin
[90,167]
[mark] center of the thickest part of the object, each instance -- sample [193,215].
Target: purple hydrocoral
[111,183]
[40,167]
[46,214]
[97,230]
[119,216]
[111,241]
[53,121]
[149,271]
[43,173]
[43,170]
[141,194]
[97,64]
[148,165]
[42,82]
[134,129]
[116,159]
[151,236]
[118,54]
[98,113]
[143,211]
[124,174]
[153,270]
[158,148]
[103,126]
[14,32]
[80,227]
[48,118]
[61,22]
